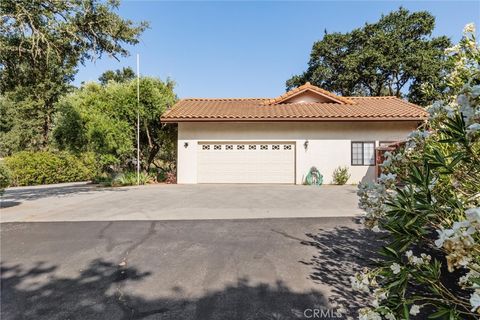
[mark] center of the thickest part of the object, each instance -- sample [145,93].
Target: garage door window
[363,153]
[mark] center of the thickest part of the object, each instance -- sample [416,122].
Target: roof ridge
[222,99]
[372,97]
[308,86]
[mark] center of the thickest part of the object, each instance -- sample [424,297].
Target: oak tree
[43,42]
[394,56]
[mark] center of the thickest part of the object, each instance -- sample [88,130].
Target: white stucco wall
[306,97]
[329,143]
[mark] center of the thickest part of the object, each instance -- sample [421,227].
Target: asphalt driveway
[204,269]
[76,251]
[85,202]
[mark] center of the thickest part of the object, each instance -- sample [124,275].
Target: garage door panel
[246,163]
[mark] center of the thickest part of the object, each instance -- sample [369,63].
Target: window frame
[385,142]
[363,153]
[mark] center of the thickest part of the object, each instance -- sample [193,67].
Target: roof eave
[332,119]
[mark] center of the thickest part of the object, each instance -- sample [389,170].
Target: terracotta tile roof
[261,109]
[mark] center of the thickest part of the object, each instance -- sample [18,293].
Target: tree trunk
[46,127]
[152,154]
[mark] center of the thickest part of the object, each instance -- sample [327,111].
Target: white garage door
[254,162]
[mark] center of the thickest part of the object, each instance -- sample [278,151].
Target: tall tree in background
[102,119]
[124,75]
[43,41]
[394,56]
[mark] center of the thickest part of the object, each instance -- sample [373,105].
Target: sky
[250,48]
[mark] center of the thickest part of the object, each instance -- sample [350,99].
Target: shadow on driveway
[99,293]
[342,252]
[76,284]
[15,196]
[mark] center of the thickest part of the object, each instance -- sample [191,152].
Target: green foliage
[161,176]
[42,44]
[340,175]
[382,58]
[102,119]
[124,75]
[43,167]
[427,201]
[4,177]
[127,178]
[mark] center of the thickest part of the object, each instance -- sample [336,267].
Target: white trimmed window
[363,153]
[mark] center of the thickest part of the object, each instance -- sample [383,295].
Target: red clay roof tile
[264,109]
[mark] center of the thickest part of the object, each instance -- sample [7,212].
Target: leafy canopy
[393,56]
[102,119]
[42,42]
[124,75]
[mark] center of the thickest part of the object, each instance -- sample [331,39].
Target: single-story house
[261,140]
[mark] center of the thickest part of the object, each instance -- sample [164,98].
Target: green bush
[127,178]
[426,202]
[341,175]
[4,178]
[161,176]
[45,167]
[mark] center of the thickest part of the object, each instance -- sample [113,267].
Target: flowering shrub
[340,175]
[427,201]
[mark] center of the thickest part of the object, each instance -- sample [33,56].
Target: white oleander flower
[473,215]
[452,49]
[463,101]
[416,136]
[414,310]
[475,91]
[386,178]
[417,261]
[368,314]
[426,257]
[471,129]
[457,225]
[466,280]
[395,267]
[380,294]
[360,282]
[438,109]
[390,316]
[475,300]
[469,28]
[443,235]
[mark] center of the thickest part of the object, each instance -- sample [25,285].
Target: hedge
[4,177]
[45,167]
